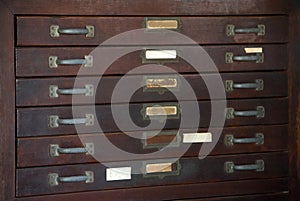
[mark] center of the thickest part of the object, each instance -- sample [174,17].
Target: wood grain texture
[7,107]
[190,171]
[35,151]
[157,7]
[28,66]
[203,30]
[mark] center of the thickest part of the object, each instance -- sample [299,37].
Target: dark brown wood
[178,191]
[35,151]
[7,106]
[277,197]
[157,7]
[35,92]
[34,121]
[203,30]
[275,58]
[191,171]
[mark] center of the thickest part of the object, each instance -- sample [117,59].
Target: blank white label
[161,54]
[117,174]
[197,137]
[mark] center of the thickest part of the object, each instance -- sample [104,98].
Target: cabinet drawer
[273,57]
[184,171]
[57,120]
[52,150]
[51,91]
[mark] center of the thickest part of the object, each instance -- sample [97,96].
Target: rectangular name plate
[161,54]
[197,137]
[161,110]
[158,168]
[117,174]
[250,50]
[162,24]
[161,82]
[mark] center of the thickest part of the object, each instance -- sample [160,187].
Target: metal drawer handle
[54,179]
[258,113]
[260,30]
[55,121]
[55,31]
[258,58]
[258,85]
[230,140]
[53,61]
[55,150]
[54,91]
[230,167]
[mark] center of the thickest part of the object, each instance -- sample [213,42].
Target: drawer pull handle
[230,58]
[258,85]
[54,91]
[55,150]
[258,113]
[230,140]
[54,179]
[55,31]
[230,167]
[53,61]
[260,30]
[55,121]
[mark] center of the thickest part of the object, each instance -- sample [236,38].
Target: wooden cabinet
[211,115]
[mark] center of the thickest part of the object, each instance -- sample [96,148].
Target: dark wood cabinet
[201,101]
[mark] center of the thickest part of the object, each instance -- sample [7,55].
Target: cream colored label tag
[161,82]
[161,110]
[162,24]
[160,167]
[117,174]
[161,54]
[197,137]
[250,50]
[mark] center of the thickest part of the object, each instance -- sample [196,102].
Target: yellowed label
[162,24]
[157,168]
[161,82]
[161,110]
[250,50]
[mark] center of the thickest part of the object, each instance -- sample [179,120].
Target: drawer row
[149,88]
[70,149]
[128,174]
[52,31]
[43,121]
[121,60]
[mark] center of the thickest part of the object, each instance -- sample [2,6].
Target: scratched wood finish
[35,151]
[34,121]
[35,92]
[203,30]
[191,171]
[275,58]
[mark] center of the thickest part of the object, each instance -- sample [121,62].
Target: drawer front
[52,30]
[184,171]
[52,150]
[54,121]
[273,57]
[38,92]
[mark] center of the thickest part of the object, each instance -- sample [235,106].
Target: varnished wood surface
[275,58]
[189,171]
[35,151]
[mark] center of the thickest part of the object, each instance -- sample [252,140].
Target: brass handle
[55,31]
[230,58]
[54,121]
[230,167]
[53,61]
[258,113]
[258,85]
[55,150]
[230,140]
[54,91]
[161,168]
[162,23]
[54,179]
[260,30]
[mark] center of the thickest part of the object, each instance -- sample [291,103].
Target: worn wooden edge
[154,7]
[175,191]
[7,106]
